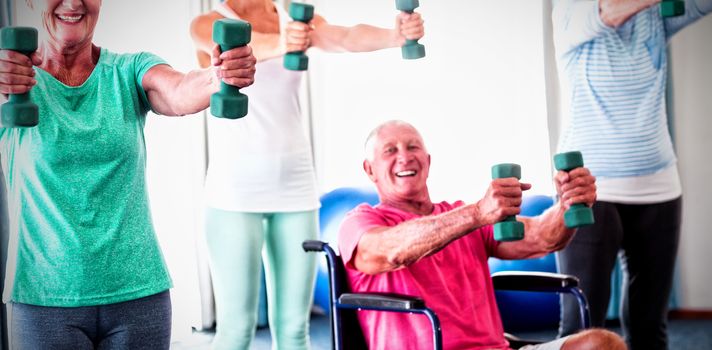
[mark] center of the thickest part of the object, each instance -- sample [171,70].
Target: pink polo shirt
[455,282]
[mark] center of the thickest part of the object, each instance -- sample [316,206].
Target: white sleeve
[576,22]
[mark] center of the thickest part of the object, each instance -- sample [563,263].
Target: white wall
[175,146]
[478,97]
[691,54]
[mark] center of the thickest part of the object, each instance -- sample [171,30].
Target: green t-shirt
[80,226]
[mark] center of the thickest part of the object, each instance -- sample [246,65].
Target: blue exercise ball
[528,311]
[534,205]
[334,206]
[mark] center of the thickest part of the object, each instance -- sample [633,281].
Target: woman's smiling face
[69,23]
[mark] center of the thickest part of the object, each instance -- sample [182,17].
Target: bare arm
[546,233]
[174,93]
[576,22]
[542,234]
[616,12]
[359,38]
[264,46]
[386,249]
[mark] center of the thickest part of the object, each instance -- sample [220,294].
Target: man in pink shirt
[438,251]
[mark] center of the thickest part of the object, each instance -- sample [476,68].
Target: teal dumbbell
[229,102]
[19,111]
[304,13]
[508,229]
[672,8]
[412,49]
[578,214]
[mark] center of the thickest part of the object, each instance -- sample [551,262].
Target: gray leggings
[143,323]
[646,237]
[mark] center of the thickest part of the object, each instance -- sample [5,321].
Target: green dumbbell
[229,102]
[304,13]
[412,49]
[508,229]
[672,8]
[19,111]
[578,214]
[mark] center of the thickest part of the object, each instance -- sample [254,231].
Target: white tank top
[262,162]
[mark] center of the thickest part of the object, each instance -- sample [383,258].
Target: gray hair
[368,145]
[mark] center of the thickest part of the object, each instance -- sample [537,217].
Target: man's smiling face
[398,162]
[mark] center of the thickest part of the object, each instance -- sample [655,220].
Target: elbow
[611,13]
[608,14]
[377,263]
[396,259]
[186,107]
[611,21]
[374,263]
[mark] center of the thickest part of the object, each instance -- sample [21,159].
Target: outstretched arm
[576,22]
[389,248]
[174,93]
[359,38]
[694,10]
[546,233]
[264,46]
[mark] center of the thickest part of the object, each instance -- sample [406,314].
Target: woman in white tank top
[261,187]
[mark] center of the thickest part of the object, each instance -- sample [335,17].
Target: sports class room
[349,102]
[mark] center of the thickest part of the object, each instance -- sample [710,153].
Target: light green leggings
[235,242]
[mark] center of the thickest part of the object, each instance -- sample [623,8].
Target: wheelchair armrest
[391,303]
[379,301]
[530,281]
[313,245]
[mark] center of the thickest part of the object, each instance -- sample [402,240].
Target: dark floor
[683,335]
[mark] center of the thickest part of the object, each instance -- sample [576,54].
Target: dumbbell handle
[411,49]
[672,8]
[508,229]
[297,60]
[229,102]
[19,110]
[19,98]
[410,42]
[230,90]
[506,170]
[578,214]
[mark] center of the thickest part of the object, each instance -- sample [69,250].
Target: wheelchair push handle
[313,246]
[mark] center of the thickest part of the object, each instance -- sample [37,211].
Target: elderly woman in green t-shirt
[85,269]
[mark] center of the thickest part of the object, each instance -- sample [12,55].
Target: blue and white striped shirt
[614,82]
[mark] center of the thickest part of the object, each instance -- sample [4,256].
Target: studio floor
[683,335]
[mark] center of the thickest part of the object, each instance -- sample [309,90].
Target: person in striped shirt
[612,60]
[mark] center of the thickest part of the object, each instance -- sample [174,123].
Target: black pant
[646,238]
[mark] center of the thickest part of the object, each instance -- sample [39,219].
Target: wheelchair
[343,304]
